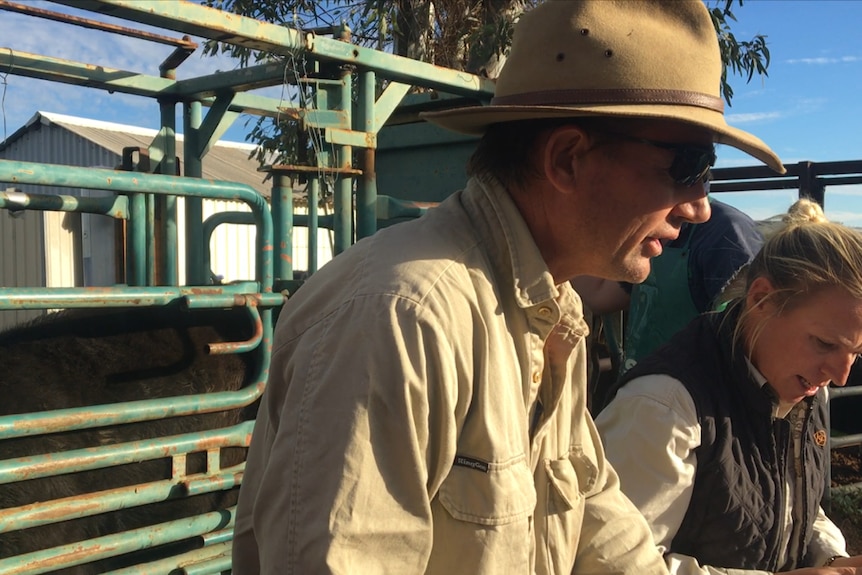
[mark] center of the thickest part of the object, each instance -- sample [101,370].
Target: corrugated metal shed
[228,161]
[57,249]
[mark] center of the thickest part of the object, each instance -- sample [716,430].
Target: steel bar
[87,505]
[112,545]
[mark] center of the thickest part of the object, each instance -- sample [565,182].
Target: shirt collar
[510,243]
[780,409]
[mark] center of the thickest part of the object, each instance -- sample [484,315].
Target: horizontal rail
[217,564]
[112,206]
[69,419]
[118,296]
[184,42]
[214,559]
[16,172]
[197,297]
[845,440]
[87,505]
[79,553]
[196,20]
[217,537]
[227,299]
[101,457]
[844,391]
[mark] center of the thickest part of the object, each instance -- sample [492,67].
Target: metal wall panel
[21,258]
[26,262]
[325,244]
[81,246]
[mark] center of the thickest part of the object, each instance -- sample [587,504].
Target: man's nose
[694,210]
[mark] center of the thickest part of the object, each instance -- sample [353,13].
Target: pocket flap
[572,476]
[503,494]
[586,468]
[563,478]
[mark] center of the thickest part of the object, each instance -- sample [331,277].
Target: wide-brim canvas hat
[622,58]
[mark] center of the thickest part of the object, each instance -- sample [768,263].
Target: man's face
[626,204]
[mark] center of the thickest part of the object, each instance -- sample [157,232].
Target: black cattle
[81,358]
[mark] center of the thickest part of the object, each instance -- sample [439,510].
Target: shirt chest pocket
[571,479]
[504,493]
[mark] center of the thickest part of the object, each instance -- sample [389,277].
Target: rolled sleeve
[827,540]
[615,536]
[650,431]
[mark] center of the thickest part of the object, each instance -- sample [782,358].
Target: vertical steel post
[343,192]
[366,189]
[282,210]
[313,198]
[151,259]
[167,274]
[195,274]
[136,254]
[810,186]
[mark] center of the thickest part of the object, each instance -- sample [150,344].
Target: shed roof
[227,161]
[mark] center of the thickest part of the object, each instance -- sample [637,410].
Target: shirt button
[537,377]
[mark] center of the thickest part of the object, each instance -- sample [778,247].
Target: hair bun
[804,211]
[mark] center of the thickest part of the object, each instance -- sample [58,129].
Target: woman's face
[809,345]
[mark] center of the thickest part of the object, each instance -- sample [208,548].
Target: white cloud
[752,117]
[798,107]
[806,105]
[734,162]
[67,41]
[820,61]
[21,97]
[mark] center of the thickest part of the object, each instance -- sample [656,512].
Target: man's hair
[508,151]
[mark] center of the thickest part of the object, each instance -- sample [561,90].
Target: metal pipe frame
[156,185]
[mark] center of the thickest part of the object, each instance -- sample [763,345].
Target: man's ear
[561,155]
[758,292]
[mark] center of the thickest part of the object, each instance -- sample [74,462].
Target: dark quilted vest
[734,518]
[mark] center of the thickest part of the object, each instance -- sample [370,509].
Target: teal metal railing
[132,195]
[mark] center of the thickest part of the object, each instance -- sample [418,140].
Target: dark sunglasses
[691,163]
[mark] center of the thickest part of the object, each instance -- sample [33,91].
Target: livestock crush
[126,409]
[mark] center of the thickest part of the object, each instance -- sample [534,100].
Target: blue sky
[806,109]
[808,106]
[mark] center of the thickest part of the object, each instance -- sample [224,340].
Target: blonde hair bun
[803,211]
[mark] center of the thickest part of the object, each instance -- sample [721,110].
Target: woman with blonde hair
[719,437]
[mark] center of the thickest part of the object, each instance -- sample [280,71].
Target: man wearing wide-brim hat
[426,405]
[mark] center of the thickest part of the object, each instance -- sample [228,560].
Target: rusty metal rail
[108,546]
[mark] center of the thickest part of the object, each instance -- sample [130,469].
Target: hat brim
[475,119]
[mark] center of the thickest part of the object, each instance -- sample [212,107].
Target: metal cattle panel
[127,416]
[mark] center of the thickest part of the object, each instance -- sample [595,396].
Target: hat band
[611,96]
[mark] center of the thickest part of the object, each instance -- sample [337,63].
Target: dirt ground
[846,507]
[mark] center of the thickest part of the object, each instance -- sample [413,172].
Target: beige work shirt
[426,413]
